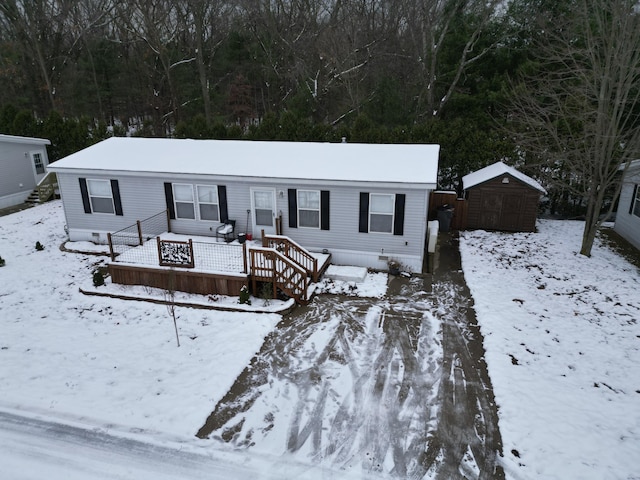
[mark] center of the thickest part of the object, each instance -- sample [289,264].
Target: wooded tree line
[454,72]
[164,61]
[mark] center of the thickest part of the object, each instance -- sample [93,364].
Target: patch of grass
[619,245]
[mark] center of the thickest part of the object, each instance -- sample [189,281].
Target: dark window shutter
[168,195]
[84,191]
[398,219]
[633,199]
[117,201]
[324,209]
[293,208]
[222,199]
[364,212]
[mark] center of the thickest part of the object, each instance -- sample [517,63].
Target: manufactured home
[23,161]
[362,203]
[628,214]
[499,197]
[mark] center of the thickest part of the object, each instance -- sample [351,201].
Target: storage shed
[499,197]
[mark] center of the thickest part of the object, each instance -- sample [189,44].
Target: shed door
[511,213]
[263,205]
[490,210]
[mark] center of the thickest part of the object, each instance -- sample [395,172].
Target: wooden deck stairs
[288,266]
[45,190]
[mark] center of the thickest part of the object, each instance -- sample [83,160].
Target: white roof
[415,164]
[495,170]
[17,139]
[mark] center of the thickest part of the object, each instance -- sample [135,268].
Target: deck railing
[293,252]
[47,187]
[269,265]
[137,234]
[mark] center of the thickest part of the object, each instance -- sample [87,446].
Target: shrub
[266,293]
[244,296]
[2,262]
[98,278]
[39,246]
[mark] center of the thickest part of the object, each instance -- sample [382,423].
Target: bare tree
[159,26]
[170,300]
[579,110]
[47,38]
[207,24]
[459,26]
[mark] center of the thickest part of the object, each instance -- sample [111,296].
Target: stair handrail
[47,186]
[294,252]
[296,289]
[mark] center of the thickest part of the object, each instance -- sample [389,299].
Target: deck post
[315,269]
[193,256]
[113,257]
[273,273]
[253,273]
[139,232]
[264,240]
[244,257]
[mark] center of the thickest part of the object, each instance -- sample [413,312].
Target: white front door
[263,207]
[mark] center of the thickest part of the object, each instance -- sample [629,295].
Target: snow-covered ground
[562,334]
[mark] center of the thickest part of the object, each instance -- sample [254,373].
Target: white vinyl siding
[145,197]
[183,199]
[381,207]
[100,196]
[309,208]
[208,203]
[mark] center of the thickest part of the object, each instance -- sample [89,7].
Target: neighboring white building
[628,215]
[364,203]
[23,162]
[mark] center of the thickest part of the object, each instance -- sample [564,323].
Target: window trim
[392,214]
[634,208]
[197,199]
[92,196]
[175,201]
[319,209]
[40,155]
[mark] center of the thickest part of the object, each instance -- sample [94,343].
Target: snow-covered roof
[29,140]
[408,164]
[495,170]
[634,166]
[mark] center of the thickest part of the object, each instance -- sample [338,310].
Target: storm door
[263,207]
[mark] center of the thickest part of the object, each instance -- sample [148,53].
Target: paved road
[37,449]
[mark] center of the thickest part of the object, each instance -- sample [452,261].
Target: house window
[309,208]
[635,202]
[381,207]
[183,198]
[38,163]
[208,202]
[100,196]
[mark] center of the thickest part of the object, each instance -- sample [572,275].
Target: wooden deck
[203,266]
[179,279]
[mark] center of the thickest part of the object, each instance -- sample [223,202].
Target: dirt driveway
[394,385]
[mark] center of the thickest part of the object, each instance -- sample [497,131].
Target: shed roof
[18,139]
[495,170]
[408,164]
